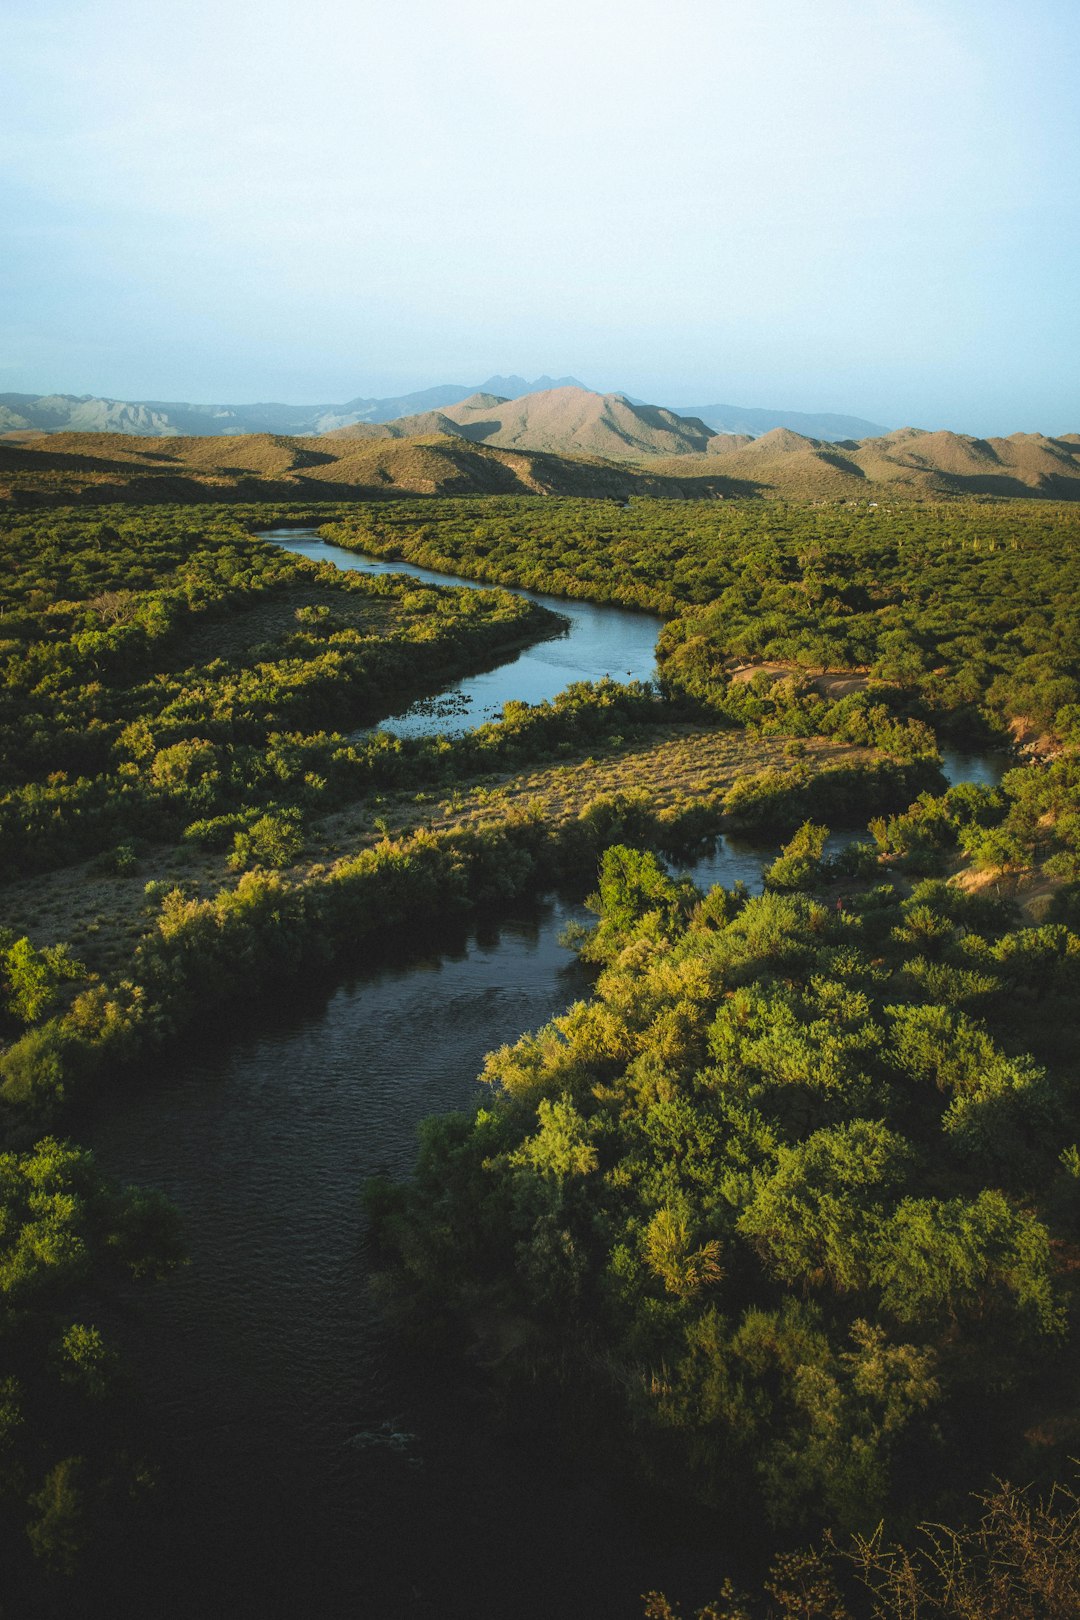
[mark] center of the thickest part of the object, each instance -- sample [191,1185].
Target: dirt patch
[1032,891]
[1031,741]
[840,685]
[743,674]
[831,683]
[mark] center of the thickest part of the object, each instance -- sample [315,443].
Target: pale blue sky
[860,205]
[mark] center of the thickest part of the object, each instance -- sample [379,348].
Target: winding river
[310,1469]
[598,642]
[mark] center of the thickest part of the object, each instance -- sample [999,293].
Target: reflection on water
[599,642]
[743,859]
[986,769]
[302,1458]
[313,1471]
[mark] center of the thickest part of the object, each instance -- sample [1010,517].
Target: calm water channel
[310,1470]
[598,641]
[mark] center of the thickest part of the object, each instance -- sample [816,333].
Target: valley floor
[102,915]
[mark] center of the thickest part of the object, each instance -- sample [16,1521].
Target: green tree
[799,863]
[33,977]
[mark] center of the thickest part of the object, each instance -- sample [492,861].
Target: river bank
[300,1442]
[304,1460]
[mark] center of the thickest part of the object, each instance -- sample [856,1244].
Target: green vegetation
[197,956]
[795,1193]
[158,674]
[163,671]
[167,653]
[67,1238]
[801,1176]
[962,615]
[792,1189]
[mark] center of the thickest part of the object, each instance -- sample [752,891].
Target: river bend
[311,1471]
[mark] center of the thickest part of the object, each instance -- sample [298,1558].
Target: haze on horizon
[864,206]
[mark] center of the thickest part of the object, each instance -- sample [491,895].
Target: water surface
[313,1470]
[599,642]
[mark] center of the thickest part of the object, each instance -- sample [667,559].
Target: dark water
[599,642]
[742,859]
[986,768]
[313,1472]
[310,1468]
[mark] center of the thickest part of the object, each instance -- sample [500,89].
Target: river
[599,641]
[310,1469]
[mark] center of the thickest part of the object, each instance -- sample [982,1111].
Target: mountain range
[907,462]
[86,413]
[361,464]
[753,422]
[566,421]
[155,418]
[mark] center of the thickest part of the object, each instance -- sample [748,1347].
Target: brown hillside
[906,464]
[898,436]
[949,453]
[723,442]
[814,473]
[367,461]
[780,442]
[563,421]
[785,463]
[99,467]
[425,423]
[1037,456]
[953,463]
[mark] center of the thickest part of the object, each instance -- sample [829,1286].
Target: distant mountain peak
[755,422]
[484,399]
[564,419]
[610,448]
[514,387]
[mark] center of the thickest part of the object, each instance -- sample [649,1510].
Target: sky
[867,206]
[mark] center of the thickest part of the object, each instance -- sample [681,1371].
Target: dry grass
[831,683]
[103,915]
[1031,890]
[680,766]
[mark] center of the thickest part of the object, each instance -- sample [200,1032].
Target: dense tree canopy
[794,1183]
[170,668]
[68,1236]
[798,1187]
[969,611]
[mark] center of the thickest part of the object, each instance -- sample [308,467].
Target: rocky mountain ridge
[908,464]
[565,421]
[87,413]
